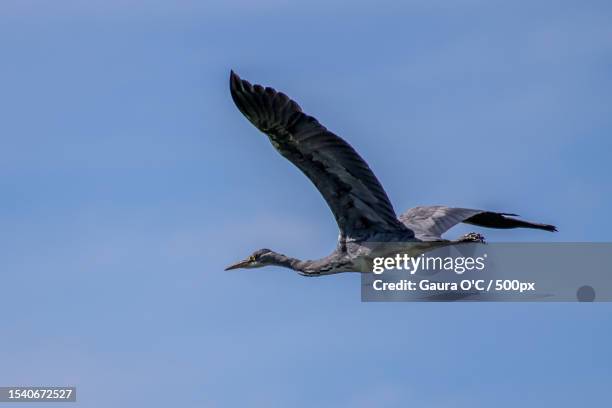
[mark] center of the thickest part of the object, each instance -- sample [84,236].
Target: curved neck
[333,263]
[288,262]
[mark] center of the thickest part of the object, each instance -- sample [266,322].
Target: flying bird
[365,217]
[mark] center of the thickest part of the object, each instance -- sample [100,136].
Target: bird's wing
[347,184]
[431,222]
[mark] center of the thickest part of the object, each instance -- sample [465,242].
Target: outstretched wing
[356,198]
[429,223]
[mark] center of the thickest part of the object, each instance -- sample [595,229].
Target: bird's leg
[472,237]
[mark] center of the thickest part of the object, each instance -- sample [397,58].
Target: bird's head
[257,259]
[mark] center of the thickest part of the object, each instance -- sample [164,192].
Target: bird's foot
[472,237]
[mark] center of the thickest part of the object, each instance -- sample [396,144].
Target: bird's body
[366,219]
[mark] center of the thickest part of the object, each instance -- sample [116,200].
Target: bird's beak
[240,264]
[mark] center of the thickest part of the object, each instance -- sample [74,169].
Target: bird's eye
[252,258]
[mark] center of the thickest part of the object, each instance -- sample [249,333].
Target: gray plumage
[362,210]
[429,223]
[354,194]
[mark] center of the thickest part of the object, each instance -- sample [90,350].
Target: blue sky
[129,180]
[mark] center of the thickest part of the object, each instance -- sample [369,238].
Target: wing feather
[348,185]
[429,223]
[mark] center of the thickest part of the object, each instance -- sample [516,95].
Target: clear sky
[128,180]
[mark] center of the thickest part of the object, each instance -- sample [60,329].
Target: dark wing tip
[491,219]
[235,82]
[239,85]
[544,227]
[241,92]
[263,106]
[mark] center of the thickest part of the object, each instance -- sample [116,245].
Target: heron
[364,214]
